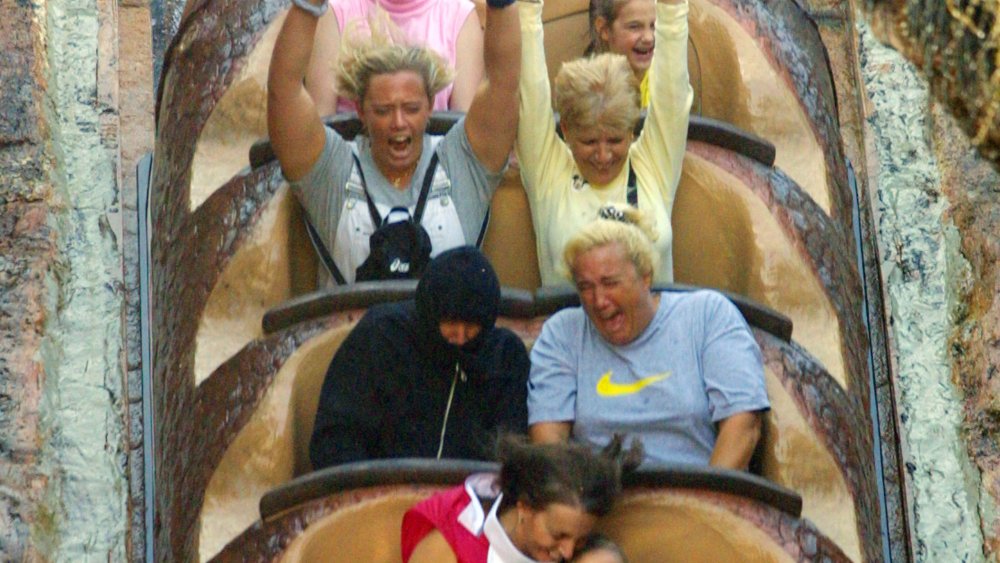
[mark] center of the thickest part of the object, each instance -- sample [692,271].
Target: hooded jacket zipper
[447,409]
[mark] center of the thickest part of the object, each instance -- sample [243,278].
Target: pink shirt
[433,23]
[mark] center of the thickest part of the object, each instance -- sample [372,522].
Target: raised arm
[320,78]
[293,123]
[536,136]
[468,64]
[491,123]
[664,136]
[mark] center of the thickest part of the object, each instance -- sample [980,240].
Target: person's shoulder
[385,315]
[456,134]
[455,153]
[708,304]
[695,298]
[505,345]
[564,324]
[502,334]
[568,316]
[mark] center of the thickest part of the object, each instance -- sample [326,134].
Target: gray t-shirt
[334,199]
[695,364]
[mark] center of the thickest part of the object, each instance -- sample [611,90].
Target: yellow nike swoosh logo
[608,388]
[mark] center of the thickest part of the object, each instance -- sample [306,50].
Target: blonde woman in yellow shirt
[568,182]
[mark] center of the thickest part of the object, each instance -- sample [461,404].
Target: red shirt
[441,512]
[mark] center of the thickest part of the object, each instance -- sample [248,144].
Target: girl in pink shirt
[449,27]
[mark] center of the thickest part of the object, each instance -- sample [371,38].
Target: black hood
[458,285]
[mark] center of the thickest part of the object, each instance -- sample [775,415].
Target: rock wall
[27,253]
[65,443]
[955,45]
[917,253]
[937,215]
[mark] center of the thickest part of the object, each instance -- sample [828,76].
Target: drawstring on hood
[458,285]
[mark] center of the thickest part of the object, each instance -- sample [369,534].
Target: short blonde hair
[634,231]
[597,92]
[364,56]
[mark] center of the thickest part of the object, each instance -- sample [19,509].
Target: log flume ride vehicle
[242,338]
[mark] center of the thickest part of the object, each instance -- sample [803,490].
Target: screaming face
[616,298]
[395,112]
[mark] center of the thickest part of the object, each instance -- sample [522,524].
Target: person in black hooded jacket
[430,377]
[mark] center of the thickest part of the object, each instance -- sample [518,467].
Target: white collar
[502,550]
[477,485]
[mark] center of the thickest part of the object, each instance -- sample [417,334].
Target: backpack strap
[317,241]
[418,213]
[321,249]
[324,254]
[482,230]
[422,201]
[631,191]
[372,210]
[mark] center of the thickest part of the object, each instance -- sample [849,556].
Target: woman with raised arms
[389,164]
[601,161]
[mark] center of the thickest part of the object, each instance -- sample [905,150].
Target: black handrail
[514,303]
[373,473]
[730,137]
[703,129]
[409,471]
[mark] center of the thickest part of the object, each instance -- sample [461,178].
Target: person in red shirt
[550,497]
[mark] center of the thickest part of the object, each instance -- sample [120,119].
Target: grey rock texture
[63,462]
[937,218]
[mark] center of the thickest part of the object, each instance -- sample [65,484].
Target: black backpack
[399,249]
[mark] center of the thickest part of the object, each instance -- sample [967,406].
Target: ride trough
[243,338]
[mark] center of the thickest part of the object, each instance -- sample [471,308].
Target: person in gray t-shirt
[678,370]
[394,86]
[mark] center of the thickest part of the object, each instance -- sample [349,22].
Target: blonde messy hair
[634,231]
[597,92]
[384,51]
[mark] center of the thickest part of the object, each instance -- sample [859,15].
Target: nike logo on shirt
[608,388]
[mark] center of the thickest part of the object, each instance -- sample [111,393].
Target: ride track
[763,212]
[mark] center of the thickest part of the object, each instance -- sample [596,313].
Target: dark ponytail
[564,473]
